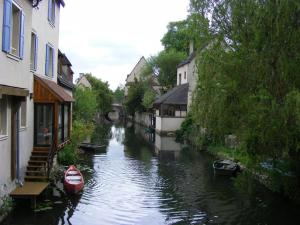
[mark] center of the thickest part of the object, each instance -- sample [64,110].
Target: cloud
[107,38]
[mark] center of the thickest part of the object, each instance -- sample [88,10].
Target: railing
[51,153]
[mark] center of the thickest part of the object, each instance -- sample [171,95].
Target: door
[43,124]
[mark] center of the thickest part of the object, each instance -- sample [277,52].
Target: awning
[48,90]
[13,91]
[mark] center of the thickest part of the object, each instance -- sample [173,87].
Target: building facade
[29,94]
[135,74]
[83,82]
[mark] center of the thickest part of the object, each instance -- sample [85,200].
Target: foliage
[149,97]
[177,37]
[165,65]
[103,93]
[118,94]
[248,76]
[6,205]
[69,155]
[134,101]
[194,29]
[185,130]
[85,104]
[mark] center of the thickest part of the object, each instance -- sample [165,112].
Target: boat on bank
[226,167]
[73,181]
[90,146]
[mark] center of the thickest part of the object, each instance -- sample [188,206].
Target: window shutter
[6,33]
[53,54]
[50,10]
[47,60]
[21,41]
[35,52]
[53,19]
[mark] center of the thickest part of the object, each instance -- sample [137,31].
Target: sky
[108,37]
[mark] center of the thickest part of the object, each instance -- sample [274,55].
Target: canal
[132,181]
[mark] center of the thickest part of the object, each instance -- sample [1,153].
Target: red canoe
[73,182]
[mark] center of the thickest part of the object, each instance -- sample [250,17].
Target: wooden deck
[30,190]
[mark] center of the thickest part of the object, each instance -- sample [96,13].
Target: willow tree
[248,81]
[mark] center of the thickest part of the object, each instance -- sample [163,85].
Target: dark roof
[188,60]
[55,89]
[176,96]
[65,83]
[64,59]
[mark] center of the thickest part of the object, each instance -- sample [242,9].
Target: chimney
[191,47]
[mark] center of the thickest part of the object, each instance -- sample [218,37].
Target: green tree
[134,101]
[248,80]
[85,106]
[164,66]
[149,97]
[118,95]
[103,93]
[177,37]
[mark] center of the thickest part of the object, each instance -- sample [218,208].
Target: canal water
[132,181]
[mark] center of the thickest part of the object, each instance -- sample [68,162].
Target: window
[66,122]
[51,11]
[33,52]
[179,79]
[23,114]
[13,29]
[63,123]
[184,75]
[3,117]
[168,111]
[43,124]
[49,68]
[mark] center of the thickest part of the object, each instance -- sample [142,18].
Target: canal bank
[131,183]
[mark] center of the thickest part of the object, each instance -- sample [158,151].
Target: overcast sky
[108,37]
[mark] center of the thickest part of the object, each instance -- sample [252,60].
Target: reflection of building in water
[167,155]
[165,143]
[117,112]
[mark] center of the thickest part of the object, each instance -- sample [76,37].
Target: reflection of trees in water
[189,188]
[102,134]
[134,142]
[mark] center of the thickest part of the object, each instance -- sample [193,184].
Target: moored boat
[90,146]
[226,167]
[73,181]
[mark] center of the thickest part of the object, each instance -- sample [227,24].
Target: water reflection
[133,183]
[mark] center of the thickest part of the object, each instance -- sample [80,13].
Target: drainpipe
[19,182]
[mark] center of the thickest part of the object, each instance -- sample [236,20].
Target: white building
[187,73]
[171,108]
[29,95]
[135,74]
[82,81]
